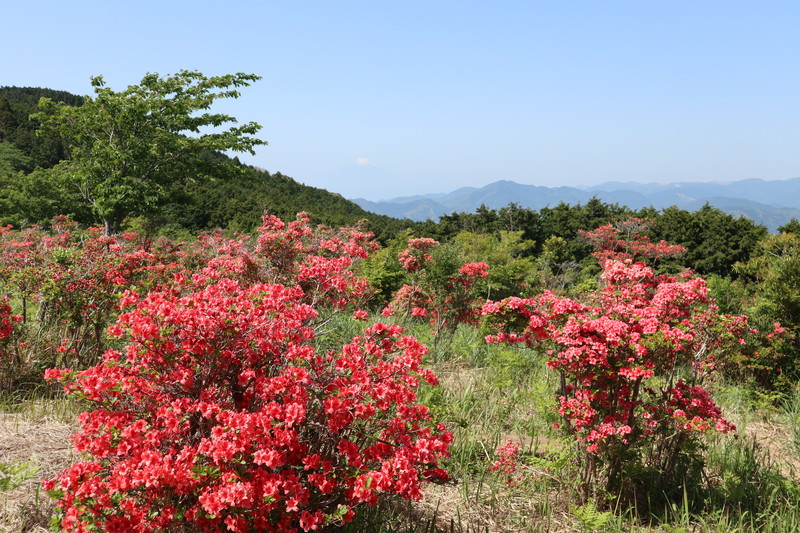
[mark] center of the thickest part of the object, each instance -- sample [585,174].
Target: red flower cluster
[610,345]
[627,240]
[416,256]
[507,463]
[220,413]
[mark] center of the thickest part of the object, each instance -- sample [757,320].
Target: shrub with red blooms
[441,287]
[9,346]
[71,280]
[619,351]
[320,260]
[221,415]
[507,463]
[417,255]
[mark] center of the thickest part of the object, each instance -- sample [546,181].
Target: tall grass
[791,408]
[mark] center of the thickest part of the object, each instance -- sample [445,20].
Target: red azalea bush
[10,356]
[67,282]
[320,260]
[633,358]
[220,414]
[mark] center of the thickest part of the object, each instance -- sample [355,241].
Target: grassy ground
[488,395]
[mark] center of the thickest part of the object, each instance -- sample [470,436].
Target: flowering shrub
[440,286]
[319,260]
[619,352]
[220,414]
[507,463]
[417,255]
[9,347]
[69,282]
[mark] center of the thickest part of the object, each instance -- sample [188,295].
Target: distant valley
[772,203]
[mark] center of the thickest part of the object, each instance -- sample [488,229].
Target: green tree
[8,121]
[37,197]
[775,267]
[383,269]
[11,158]
[131,150]
[714,240]
[505,253]
[793,226]
[555,271]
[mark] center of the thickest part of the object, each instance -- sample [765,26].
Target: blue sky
[440,94]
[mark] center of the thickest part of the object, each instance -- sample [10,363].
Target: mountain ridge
[769,202]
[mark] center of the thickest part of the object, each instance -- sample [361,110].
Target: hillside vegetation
[29,194]
[245,353]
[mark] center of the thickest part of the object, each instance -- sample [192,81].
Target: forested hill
[29,194]
[16,105]
[239,202]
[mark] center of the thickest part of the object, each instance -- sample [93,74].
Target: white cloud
[364,162]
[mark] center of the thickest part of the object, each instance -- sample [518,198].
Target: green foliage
[793,226]
[775,269]
[745,478]
[38,197]
[16,128]
[563,220]
[566,221]
[590,519]
[131,150]
[506,253]
[239,202]
[236,202]
[714,240]
[733,296]
[508,365]
[12,475]
[554,270]
[791,406]
[383,270]
[12,158]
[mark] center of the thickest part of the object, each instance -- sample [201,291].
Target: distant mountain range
[772,203]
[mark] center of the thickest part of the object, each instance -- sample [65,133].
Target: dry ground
[45,441]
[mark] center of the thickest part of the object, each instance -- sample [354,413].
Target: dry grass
[773,437]
[45,442]
[463,508]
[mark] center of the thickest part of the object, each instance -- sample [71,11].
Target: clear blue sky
[443,94]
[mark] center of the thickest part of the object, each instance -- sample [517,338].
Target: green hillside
[29,194]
